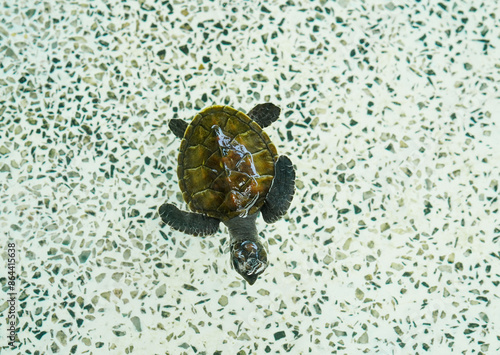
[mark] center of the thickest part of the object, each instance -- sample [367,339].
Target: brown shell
[226,163]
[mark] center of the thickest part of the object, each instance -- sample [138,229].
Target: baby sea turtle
[229,171]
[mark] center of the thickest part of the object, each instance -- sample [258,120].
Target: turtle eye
[239,256]
[249,247]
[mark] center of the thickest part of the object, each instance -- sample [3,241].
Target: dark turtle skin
[229,171]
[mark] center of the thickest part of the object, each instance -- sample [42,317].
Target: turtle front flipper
[281,193]
[178,127]
[188,222]
[264,114]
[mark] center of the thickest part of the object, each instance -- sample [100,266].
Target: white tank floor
[389,112]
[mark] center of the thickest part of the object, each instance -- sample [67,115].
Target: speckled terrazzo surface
[389,112]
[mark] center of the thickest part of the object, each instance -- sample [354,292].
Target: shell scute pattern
[226,163]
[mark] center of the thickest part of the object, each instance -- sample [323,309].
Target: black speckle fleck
[279,335]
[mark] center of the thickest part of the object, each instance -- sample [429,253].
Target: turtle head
[249,258]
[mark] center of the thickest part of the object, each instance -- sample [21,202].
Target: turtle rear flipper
[178,127]
[188,222]
[281,193]
[264,114]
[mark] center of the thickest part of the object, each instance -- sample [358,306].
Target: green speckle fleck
[363,339]
[223,301]
[263,292]
[117,276]
[161,291]
[137,323]
[84,256]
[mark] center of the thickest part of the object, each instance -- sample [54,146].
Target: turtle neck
[242,228]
